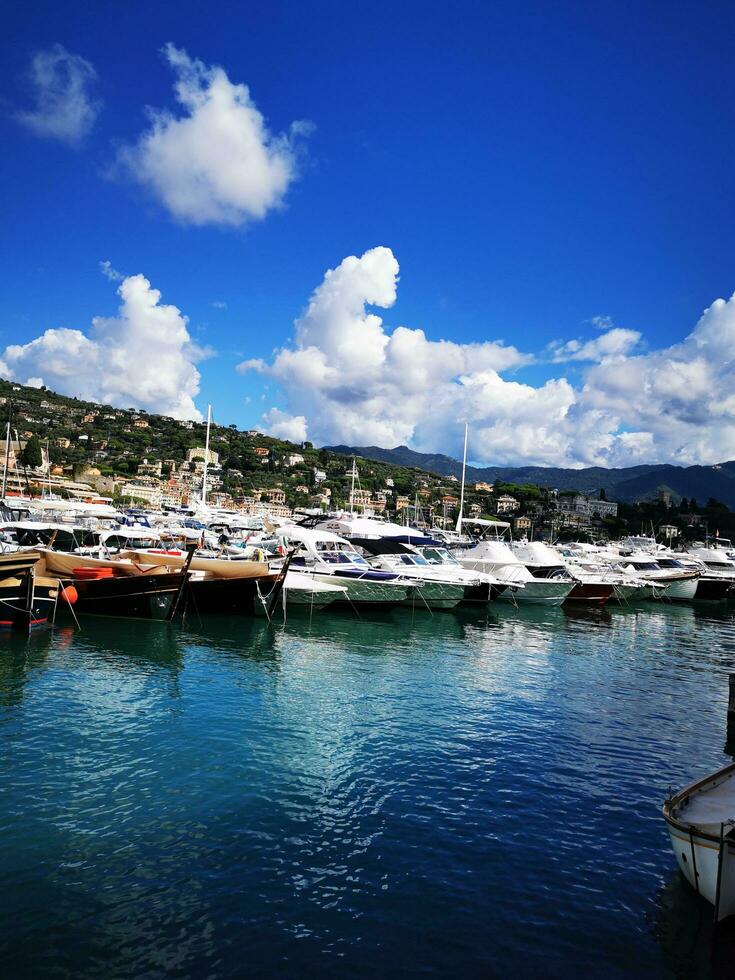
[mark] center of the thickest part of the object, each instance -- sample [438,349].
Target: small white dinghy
[701,822]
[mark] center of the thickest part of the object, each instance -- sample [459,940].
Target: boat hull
[435,595]
[699,819]
[624,593]
[366,592]
[591,593]
[482,593]
[14,612]
[713,590]
[236,596]
[681,590]
[539,592]
[132,597]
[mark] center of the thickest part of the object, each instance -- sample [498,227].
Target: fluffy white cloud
[217,163]
[60,86]
[615,342]
[349,379]
[284,426]
[143,357]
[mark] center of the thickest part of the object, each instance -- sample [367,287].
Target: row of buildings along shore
[172,483]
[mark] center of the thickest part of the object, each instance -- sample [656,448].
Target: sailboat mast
[461,492]
[352,491]
[7,458]
[206,456]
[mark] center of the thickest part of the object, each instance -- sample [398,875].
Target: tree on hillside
[31,454]
[603,494]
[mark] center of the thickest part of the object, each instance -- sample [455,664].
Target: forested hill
[630,483]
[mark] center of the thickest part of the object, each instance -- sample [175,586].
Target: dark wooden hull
[134,596]
[591,593]
[14,611]
[483,593]
[237,596]
[713,590]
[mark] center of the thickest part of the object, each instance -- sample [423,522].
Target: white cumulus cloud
[217,162]
[347,378]
[143,357]
[60,86]
[615,342]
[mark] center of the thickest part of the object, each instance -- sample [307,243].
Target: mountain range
[629,484]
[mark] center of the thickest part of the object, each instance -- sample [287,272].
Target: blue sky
[530,169]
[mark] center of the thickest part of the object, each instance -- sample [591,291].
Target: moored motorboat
[701,824]
[329,558]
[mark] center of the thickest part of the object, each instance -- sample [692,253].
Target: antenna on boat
[206,457]
[461,492]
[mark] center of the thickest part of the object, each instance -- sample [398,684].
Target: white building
[149,469]
[505,504]
[594,508]
[199,452]
[151,494]
[295,459]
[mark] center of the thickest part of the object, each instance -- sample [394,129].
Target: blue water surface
[463,794]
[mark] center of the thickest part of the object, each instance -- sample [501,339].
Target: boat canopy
[482,522]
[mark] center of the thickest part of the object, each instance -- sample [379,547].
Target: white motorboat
[327,557]
[543,561]
[440,583]
[701,823]
[493,557]
[302,590]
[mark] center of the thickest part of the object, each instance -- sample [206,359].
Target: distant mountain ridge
[629,484]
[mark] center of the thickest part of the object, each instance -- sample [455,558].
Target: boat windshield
[126,543]
[438,556]
[339,553]
[413,560]
[669,563]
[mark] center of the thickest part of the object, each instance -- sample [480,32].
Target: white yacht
[491,555]
[441,582]
[327,557]
[543,561]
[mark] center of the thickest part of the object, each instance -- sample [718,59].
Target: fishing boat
[701,823]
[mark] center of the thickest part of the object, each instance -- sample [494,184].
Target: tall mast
[7,457]
[461,493]
[352,491]
[206,456]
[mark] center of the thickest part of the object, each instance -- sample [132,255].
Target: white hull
[540,592]
[368,591]
[700,825]
[682,590]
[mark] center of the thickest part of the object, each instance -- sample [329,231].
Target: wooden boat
[27,600]
[221,567]
[109,587]
[240,591]
[701,822]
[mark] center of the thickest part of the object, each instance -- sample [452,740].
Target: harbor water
[464,794]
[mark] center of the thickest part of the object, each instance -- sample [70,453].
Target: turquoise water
[465,794]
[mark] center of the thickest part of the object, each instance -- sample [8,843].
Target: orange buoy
[69,594]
